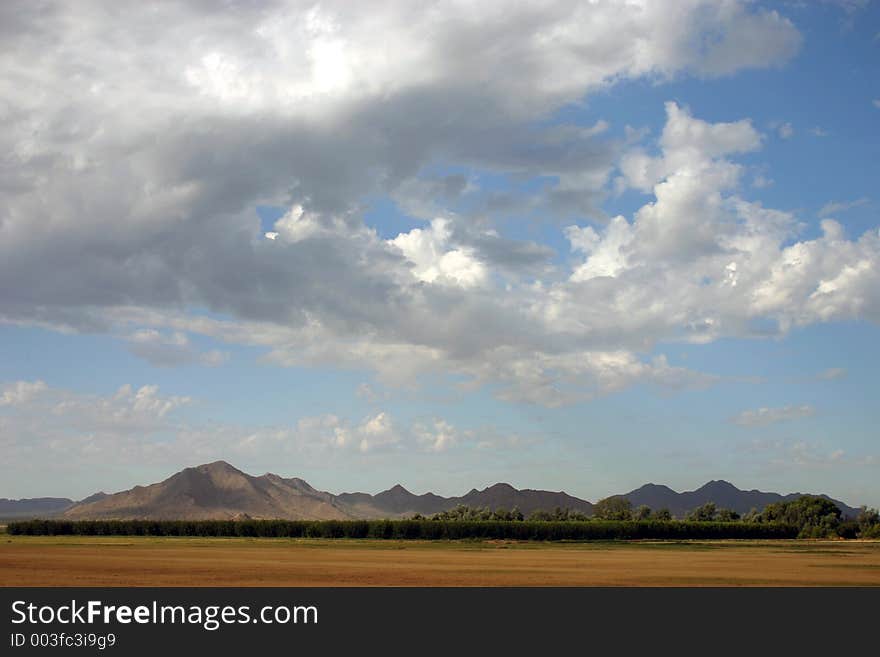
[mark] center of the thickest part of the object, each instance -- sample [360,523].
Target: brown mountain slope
[212,491]
[220,491]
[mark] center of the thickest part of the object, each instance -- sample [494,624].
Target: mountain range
[723,494]
[37,506]
[219,490]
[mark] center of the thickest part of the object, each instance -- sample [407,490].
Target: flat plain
[149,561]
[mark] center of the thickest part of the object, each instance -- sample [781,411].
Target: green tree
[704,513]
[663,514]
[869,523]
[752,516]
[727,515]
[613,508]
[817,517]
[501,514]
[642,512]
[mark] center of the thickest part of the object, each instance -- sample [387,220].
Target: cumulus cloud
[376,431]
[142,426]
[709,260]
[143,409]
[688,143]
[434,259]
[786,131]
[70,424]
[124,221]
[437,436]
[171,350]
[698,263]
[21,392]
[292,101]
[764,416]
[379,431]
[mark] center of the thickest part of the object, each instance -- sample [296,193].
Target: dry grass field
[120,561]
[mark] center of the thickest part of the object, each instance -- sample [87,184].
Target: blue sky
[503,246]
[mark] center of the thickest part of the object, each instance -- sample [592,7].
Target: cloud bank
[135,160]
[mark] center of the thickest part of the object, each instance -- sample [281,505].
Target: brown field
[120,561]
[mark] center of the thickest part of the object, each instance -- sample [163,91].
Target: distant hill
[505,496]
[722,493]
[42,507]
[220,491]
[398,501]
[211,491]
[93,498]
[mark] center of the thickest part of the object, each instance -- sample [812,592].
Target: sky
[574,246]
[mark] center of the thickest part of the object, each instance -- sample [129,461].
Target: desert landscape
[149,561]
[218,490]
[215,525]
[482,294]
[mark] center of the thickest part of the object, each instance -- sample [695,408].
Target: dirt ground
[119,561]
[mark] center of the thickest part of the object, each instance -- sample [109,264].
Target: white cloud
[140,426]
[127,408]
[786,131]
[327,429]
[289,104]
[437,436]
[123,427]
[697,263]
[436,260]
[876,103]
[710,260]
[836,207]
[764,416]
[171,350]
[688,144]
[21,392]
[606,256]
[376,431]
[299,224]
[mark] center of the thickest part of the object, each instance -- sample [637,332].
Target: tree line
[613,518]
[813,516]
[535,530]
